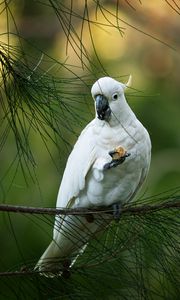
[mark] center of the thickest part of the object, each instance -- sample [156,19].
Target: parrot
[106,168]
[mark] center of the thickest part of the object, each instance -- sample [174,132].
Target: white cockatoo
[106,167]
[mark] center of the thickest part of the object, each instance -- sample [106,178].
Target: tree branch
[172,203]
[141,209]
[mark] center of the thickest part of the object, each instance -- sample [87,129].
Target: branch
[18,273]
[141,209]
[171,203]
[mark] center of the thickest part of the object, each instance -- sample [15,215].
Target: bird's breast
[114,185]
[105,187]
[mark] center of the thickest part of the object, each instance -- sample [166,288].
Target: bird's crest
[129,82]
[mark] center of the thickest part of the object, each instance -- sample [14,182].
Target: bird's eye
[114,96]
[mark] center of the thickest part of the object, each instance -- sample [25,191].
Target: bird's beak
[102,107]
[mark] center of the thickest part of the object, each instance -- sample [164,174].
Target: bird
[106,168]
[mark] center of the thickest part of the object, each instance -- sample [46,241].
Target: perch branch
[141,209]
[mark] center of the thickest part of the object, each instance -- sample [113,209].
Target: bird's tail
[53,261]
[71,237]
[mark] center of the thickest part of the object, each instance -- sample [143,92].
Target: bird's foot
[66,269]
[116,211]
[118,155]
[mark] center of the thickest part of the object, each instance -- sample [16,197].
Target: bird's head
[108,95]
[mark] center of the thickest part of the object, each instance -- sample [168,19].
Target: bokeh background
[81,41]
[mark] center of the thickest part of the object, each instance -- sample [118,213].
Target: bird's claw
[116,211]
[118,157]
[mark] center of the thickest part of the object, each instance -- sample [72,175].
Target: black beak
[102,107]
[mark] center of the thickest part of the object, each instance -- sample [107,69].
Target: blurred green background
[144,42]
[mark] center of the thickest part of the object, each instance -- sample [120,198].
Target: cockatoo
[106,167]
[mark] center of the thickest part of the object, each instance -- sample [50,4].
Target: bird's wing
[79,162]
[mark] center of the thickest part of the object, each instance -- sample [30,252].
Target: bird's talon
[116,211]
[109,165]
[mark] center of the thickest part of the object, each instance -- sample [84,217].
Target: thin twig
[18,273]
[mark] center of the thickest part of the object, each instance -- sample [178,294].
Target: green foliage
[44,104]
